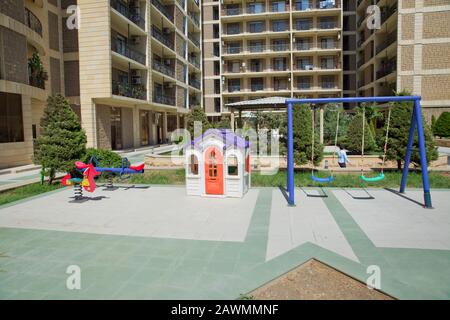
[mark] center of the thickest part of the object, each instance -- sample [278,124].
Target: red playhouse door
[213,171]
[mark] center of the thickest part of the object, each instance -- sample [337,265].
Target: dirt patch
[314,280]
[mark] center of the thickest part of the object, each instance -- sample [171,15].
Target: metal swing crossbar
[330,178]
[416,123]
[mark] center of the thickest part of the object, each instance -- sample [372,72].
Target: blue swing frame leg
[416,121]
[290,157]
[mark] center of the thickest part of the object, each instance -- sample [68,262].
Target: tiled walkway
[170,264]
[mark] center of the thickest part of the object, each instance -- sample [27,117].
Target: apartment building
[131,70]
[410,51]
[255,49]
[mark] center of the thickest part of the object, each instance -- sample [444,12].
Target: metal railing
[163,9]
[194,83]
[194,18]
[232,11]
[390,39]
[158,35]
[256,87]
[125,50]
[164,99]
[32,22]
[387,69]
[128,12]
[327,25]
[194,61]
[328,85]
[234,88]
[160,67]
[130,91]
[194,40]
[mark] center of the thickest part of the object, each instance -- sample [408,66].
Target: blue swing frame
[416,122]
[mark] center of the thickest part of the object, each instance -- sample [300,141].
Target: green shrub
[105,158]
[442,126]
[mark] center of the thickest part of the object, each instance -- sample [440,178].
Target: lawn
[302,178]
[27,191]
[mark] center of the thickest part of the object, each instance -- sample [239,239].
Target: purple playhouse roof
[229,138]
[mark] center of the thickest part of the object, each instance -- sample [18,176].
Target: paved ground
[158,243]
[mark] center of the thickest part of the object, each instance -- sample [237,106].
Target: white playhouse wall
[234,185]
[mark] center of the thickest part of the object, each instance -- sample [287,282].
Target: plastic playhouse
[218,165]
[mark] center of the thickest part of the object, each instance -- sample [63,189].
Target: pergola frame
[416,121]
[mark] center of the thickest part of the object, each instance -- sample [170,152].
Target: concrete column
[321,124]
[164,127]
[178,121]
[136,128]
[232,119]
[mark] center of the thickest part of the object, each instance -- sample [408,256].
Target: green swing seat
[373,179]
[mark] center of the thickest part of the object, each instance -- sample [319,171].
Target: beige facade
[131,70]
[410,52]
[255,49]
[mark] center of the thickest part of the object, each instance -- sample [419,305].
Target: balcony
[327,25]
[126,51]
[128,13]
[390,39]
[303,85]
[388,13]
[130,91]
[328,85]
[195,61]
[158,35]
[303,46]
[231,11]
[194,40]
[162,68]
[256,87]
[194,83]
[234,88]
[387,69]
[255,9]
[194,18]
[233,50]
[164,99]
[32,22]
[301,26]
[163,9]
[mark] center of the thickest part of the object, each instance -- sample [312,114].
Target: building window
[257,7]
[234,85]
[278,6]
[216,104]
[216,33]
[279,25]
[215,13]
[232,164]
[256,26]
[233,28]
[257,84]
[11,120]
[193,165]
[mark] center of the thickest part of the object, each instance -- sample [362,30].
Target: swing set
[416,122]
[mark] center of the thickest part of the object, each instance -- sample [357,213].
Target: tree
[442,126]
[62,141]
[224,123]
[355,136]
[329,123]
[398,135]
[197,114]
[302,132]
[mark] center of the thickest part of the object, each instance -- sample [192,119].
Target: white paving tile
[309,221]
[157,211]
[392,221]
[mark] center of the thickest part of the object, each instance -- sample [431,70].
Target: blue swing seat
[374,179]
[322,180]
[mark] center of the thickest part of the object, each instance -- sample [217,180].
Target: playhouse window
[193,165]
[233,166]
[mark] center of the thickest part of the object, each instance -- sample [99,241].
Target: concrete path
[157,243]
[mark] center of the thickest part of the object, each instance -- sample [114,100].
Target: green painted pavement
[122,267]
